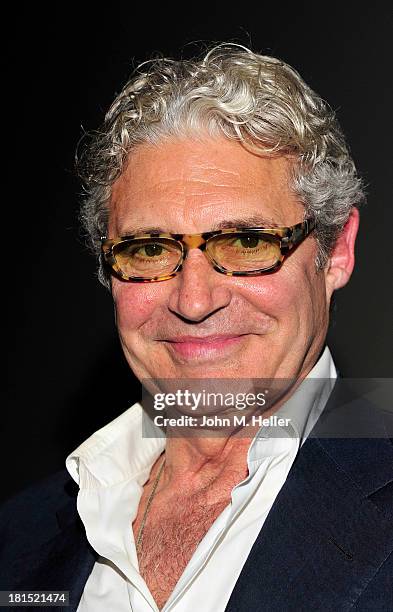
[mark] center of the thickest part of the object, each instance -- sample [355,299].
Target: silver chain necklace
[146,512]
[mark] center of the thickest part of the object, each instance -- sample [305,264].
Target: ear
[342,259]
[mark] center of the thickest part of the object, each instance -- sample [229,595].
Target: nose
[199,291]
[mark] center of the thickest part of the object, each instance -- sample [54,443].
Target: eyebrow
[253,221]
[241,222]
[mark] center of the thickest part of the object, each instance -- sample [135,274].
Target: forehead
[190,186]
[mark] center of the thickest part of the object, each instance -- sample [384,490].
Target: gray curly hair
[257,100]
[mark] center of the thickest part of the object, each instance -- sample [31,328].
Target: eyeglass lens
[152,257]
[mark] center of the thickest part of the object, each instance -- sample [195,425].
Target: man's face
[202,323]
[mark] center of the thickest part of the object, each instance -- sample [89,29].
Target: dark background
[67,375]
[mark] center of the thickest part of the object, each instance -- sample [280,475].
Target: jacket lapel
[328,532]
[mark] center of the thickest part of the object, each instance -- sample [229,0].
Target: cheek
[277,295]
[135,303]
[294,297]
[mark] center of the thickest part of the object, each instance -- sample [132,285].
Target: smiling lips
[191,347]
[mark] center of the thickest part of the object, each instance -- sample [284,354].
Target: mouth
[204,348]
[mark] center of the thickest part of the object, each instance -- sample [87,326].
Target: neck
[193,461]
[200,460]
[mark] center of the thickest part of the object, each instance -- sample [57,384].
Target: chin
[231,372]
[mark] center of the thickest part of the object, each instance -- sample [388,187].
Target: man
[222,202]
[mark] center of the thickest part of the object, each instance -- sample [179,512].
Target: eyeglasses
[251,251]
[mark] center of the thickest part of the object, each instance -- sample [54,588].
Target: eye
[249,241]
[150,250]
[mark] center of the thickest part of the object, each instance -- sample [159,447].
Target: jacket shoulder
[29,518]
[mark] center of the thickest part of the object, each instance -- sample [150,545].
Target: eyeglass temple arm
[299,232]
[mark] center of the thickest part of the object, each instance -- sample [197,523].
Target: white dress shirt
[112,466]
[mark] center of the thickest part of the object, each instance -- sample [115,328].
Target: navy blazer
[326,544]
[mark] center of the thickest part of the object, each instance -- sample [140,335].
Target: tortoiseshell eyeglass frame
[286,237]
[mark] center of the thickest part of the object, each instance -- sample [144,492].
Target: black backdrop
[67,375]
